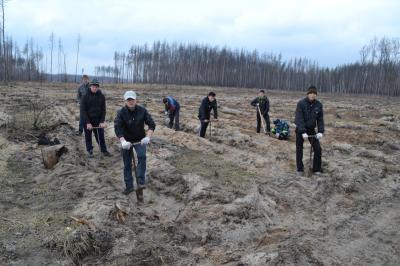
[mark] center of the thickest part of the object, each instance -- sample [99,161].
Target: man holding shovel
[207,104]
[129,128]
[262,105]
[309,115]
[93,110]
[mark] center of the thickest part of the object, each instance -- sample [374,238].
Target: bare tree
[5,76]
[78,41]
[51,39]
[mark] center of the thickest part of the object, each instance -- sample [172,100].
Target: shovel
[262,119]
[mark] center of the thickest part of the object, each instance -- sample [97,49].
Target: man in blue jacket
[129,128]
[262,105]
[172,109]
[309,115]
[207,104]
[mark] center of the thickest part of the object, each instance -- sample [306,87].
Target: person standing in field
[309,115]
[82,90]
[93,110]
[129,126]
[261,102]
[207,104]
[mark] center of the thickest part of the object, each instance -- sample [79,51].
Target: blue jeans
[140,167]
[99,136]
[172,116]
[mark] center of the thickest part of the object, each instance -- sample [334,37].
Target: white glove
[277,135]
[258,104]
[145,141]
[126,145]
[166,112]
[319,135]
[305,136]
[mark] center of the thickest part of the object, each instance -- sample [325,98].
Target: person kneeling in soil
[281,129]
[129,128]
[309,114]
[262,105]
[172,109]
[207,104]
[93,110]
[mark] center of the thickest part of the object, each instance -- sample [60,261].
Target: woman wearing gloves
[129,128]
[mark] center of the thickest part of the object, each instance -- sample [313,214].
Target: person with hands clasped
[129,126]
[93,111]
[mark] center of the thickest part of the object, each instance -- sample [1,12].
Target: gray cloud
[330,31]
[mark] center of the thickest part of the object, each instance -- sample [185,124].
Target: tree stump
[52,154]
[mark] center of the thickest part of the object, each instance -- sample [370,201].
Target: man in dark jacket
[172,109]
[82,90]
[207,104]
[93,110]
[262,105]
[129,128]
[309,115]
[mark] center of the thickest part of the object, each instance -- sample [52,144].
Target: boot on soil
[139,195]
[127,191]
[300,173]
[90,154]
[107,154]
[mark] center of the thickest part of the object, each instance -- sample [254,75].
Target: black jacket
[264,104]
[205,109]
[93,107]
[82,90]
[308,116]
[130,124]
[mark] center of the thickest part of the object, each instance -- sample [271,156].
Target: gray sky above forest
[332,32]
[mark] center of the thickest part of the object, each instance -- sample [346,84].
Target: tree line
[376,72]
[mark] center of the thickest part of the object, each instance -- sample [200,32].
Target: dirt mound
[234,199]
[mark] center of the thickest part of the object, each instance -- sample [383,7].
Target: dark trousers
[267,123]
[127,156]
[98,135]
[81,122]
[172,116]
[203,128]
[299,152]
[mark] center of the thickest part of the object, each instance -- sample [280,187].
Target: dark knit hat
[312,89]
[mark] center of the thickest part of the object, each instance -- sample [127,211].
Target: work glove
[145,141]
[277,135]
[126,145]
[305,136]
[166,112]
[319,135]
[258,104]
[103,125]
[89,126]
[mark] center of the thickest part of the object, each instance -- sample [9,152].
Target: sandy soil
[231,200]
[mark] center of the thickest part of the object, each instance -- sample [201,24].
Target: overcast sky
[329,31]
